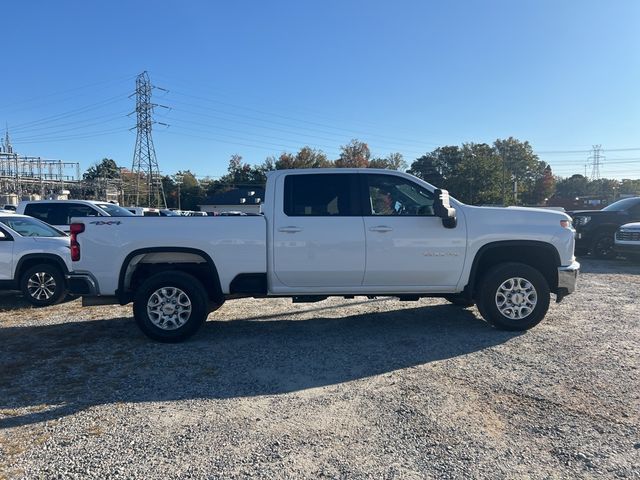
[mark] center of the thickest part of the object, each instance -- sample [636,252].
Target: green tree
[629,187]
[477,178]
[191,192]
[106,168]
[574,186]
[521,169]
[393,161]
[439,167]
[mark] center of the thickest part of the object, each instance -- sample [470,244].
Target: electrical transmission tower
[145,164]
[596,158]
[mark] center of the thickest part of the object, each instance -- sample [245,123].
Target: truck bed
[236,244]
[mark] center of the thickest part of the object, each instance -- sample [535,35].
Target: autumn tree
[306,157]
[355,154]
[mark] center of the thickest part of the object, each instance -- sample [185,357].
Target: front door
[406,244]
[318,232]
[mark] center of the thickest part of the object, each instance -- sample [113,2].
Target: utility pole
[178,179]
[145,164]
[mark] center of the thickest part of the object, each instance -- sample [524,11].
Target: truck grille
[628,236]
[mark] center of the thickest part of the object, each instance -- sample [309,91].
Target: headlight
[582,220]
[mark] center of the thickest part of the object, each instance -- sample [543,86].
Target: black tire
[171,325]
[459,301]
[603,246]
[487,299]
[43,285]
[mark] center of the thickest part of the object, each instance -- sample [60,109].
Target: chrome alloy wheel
[169,308]
[41,286]
[516,298]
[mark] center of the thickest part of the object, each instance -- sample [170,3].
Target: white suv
[34,258]
[58,213]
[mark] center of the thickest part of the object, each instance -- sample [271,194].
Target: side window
[78,211]
[390,196]
[41,211]
[635,210]
[321,195]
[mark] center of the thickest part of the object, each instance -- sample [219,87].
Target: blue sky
[258,78]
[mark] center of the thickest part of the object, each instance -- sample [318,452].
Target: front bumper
[627,248]
[567,279]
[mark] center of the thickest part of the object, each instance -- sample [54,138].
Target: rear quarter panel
[236,244]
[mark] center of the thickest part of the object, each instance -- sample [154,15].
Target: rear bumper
[567,279]
[82,284]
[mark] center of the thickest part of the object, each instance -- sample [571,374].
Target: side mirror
[444,210]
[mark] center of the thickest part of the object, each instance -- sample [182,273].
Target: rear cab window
[321,195]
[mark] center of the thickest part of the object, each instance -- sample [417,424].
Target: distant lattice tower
[596,159]
[148,182]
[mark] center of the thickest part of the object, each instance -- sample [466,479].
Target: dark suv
[595,229]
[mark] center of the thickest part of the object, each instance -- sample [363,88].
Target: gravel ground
[340,389]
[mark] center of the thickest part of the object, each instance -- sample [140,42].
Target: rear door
[407,245]
[318,231]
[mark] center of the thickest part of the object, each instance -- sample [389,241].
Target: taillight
[75,229]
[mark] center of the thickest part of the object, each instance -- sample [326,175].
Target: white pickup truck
[328,232]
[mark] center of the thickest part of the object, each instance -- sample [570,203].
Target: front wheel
[43,285]
[513,296]
[170,306]
[603,246]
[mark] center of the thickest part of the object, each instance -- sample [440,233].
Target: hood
[631,226]
[590,212]
[517,215]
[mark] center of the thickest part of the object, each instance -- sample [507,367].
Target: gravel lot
[340,389]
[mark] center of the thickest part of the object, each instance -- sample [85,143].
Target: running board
[308,298]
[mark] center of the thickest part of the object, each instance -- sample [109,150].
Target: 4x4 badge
[109,222]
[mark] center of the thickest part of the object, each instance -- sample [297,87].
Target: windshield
[30,227]
[115,210]
[621,205]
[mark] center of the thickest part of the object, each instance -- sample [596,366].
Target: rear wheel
[513,296]
[43,285]
[170,306]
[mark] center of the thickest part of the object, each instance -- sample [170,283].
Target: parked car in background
[34,258]
[595,229]
[627,241]
[58,213]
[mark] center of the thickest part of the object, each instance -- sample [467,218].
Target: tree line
[506,172]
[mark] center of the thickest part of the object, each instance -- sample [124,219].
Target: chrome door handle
[290,229]
[380,228]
